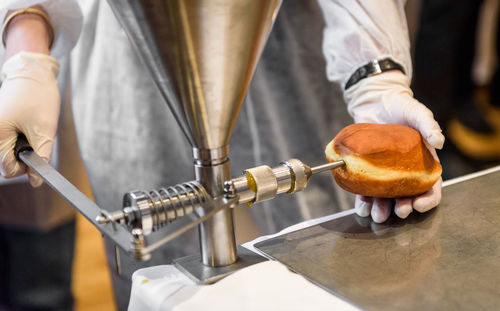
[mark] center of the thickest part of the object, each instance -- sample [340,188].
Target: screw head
[229,190]
[101,219]
[137,233]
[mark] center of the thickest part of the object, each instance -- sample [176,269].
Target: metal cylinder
[263,183]
[283,178]
[299,172]
[240,186]
[217,240]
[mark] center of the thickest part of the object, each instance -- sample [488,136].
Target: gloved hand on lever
[387,98]
[29,104]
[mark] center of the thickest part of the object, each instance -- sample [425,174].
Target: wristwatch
[374,67]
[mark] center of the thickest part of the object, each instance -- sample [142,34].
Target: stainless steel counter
[446,259]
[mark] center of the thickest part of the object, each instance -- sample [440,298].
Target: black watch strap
[373,68]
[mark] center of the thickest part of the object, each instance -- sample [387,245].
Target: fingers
[10,166]
[421,118]
[34,178]
[42,145]
[430,199]
[363,205]
[387,98]
[381,209]
[433,152]
[378,208]
[403,207]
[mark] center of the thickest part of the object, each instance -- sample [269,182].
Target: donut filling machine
[202,55]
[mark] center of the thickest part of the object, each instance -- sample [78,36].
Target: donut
[383,160]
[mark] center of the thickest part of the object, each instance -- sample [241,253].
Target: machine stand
[202,274]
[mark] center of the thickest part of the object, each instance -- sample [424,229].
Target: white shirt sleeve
[65,15]
[359,31]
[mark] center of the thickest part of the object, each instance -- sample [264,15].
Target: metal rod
[327,167]
[118,261]
[159,238]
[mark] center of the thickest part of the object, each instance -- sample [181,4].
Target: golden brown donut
[383,160]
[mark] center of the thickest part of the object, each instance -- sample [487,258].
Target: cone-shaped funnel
[202,55]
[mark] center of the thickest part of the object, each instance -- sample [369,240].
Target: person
[37,227]
[119,114]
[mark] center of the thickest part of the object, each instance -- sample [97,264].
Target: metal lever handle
[69,192]
[22,144]
[133,242]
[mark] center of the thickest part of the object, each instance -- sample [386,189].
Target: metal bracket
[201,274]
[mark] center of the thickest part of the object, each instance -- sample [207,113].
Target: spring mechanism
[152,210]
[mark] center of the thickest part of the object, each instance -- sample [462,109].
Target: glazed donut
[383,160]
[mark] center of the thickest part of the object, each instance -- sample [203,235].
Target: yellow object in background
[91,278]
[477,145]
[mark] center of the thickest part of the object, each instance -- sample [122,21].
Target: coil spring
[159,207]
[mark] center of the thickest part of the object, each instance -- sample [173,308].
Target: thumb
[419,117]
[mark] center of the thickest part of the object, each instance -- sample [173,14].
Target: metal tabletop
[445,259]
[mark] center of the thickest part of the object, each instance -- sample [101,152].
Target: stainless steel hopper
[202,55]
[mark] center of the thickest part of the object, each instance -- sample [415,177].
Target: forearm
[28,33]
[357,32]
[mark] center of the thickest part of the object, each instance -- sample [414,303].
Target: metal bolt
[138,234]
[101,219]
[229,190]
[139,244]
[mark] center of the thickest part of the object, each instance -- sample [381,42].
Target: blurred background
[455,52]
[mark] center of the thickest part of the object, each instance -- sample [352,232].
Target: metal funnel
[202,55]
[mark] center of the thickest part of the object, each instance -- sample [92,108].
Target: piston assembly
[152,210]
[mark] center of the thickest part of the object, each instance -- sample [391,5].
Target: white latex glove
[387,98]
[29,104]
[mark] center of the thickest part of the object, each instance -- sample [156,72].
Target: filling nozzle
[327,167]
[263,183]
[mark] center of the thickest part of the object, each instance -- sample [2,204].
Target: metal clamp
[262,181]
[300,174]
